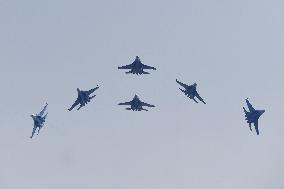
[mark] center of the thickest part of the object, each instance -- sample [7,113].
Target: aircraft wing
[256,127]
[92,90]
[148,67]
[74,105]
[125,103]
[145,104]
[199,97]
[251,109]
[182,84]
[129,66]
[42,111]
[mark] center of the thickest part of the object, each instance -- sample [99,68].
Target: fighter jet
[39,120]
[252,116]
[137,67]
[83,98]
[190,91]
[136,104]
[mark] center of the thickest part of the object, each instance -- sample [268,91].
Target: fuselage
[253,116]
[137,67]
[83,98]
[136,104]
[38,120]
[190,91]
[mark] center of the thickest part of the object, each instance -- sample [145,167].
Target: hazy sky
[232,49]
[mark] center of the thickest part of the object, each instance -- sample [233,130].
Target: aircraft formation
[137,67]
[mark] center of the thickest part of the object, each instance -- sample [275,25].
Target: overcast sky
[231,49]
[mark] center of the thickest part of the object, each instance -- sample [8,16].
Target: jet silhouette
[136,104]
[252,116]
[137,67]
[39,120]
[190,91]
[83,98]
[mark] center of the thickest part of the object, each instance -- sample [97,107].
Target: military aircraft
[190,91]
[136,104]
[39,120]
[137,67]
[83,98]
[252,116]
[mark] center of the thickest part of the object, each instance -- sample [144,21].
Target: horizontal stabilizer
[145,72]
[195,100]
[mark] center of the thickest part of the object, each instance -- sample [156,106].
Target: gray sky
[232,49]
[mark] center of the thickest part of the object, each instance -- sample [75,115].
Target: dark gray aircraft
[83,98]
[39,120]
[137,67]
[190,91]
[252,116]
[136,104]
